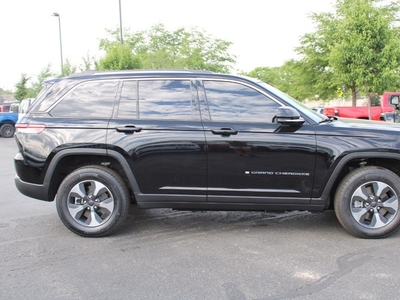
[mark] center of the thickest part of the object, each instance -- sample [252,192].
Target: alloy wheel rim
[374,204]
[90,203]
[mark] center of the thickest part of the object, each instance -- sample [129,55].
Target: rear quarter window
[93,99]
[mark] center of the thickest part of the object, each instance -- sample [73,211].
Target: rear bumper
[37,191]
[28,179]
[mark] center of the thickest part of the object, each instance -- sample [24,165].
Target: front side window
[94,99]
[232,101]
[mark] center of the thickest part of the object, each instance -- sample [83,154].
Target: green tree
[119,57]
[21,88]
[314,68]
[89,63]
[293,83]
[355,48]
[44,74]
[266,74]
[159,48]
[287,78]
[367,55]
[67,69]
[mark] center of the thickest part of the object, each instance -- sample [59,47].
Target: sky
[263,33]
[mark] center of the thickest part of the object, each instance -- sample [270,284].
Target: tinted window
[230,101]
[158,99]
[51,92]
[14,108]
[166,99]
[5,108]
[128,102]
[93,99]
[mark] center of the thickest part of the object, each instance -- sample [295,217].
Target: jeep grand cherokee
[193,140]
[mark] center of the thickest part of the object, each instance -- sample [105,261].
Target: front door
[250,158]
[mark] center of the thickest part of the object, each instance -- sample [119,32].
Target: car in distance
[392,117]
[378,105]
[194,140]
[7,122]
[318,109]
[5,107]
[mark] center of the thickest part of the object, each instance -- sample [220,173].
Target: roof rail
[138,71]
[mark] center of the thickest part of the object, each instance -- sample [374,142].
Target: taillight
[30,128]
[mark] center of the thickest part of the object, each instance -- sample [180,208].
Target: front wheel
[367,202]
[92,201]
[7,130]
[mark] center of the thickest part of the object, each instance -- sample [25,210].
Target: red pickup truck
[362,112]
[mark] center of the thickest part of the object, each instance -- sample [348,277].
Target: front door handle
[224,131]
[128,129]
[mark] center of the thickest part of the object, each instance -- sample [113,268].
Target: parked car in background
[24,105]
[14,107]
[393,117]
[5,107]
[8,120]
[363,112]
[7,123]
[319,109]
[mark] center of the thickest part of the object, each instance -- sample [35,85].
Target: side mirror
[287,115]
[394,100]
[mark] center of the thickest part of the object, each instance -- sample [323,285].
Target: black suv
[96,142]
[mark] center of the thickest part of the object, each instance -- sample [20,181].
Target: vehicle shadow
[167,220]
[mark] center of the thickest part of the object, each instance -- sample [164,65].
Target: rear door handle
[224,131]
[128,129]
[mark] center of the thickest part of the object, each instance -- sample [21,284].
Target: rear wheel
[92,201]
[7,130]
[367,202]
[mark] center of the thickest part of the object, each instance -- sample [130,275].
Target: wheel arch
[388,160]
[68,160]
[7,122]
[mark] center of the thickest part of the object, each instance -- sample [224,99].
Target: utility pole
[59,31]
[120,23]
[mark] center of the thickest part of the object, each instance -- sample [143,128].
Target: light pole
[120,23]
[59,30]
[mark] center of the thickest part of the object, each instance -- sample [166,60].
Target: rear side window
[94,99]
[159,100]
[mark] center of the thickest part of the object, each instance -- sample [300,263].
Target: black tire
[92,201]
[367,202]
[7,130]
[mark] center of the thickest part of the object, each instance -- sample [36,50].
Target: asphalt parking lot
[166,254]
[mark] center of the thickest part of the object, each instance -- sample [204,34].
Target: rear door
[157,127]
[251,158]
